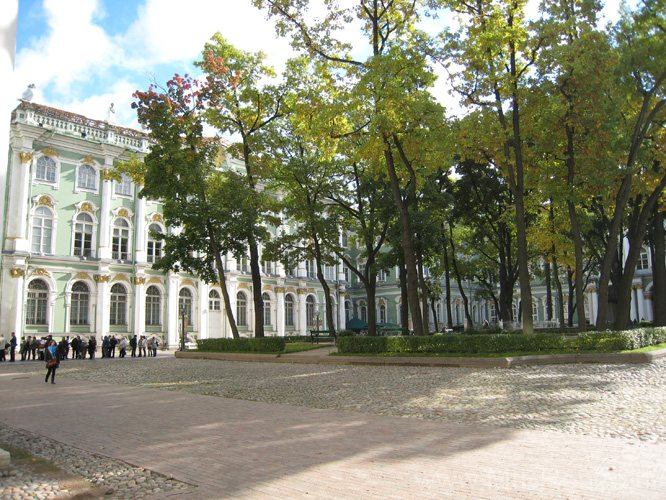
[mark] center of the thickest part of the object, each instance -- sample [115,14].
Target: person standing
[112,346]
[154,345]
[142,346]
[25,348]
[74,344]
[12,348]
[3,343]
[133,346]
[34,345]
[52,361]
[92,347]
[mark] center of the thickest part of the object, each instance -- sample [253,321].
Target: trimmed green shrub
[452,343]
[617,341]
[362,344]
[265,344]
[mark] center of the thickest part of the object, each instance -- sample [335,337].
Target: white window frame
[87,189]
[53,219]
[151,253]
[56,182]
[128,252]
[149,317]
[124,188]
[93,233]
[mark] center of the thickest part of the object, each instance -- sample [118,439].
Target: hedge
[265,344]
[497,343]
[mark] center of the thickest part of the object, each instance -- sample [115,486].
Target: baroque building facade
[77,252]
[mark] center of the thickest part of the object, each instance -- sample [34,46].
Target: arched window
[241,309]
[345,242]
[153,306]
[348,311]
[42,230]
[154,247]
[120,243]
[83,235]
[185,303]
[87,177]
[214,303]
[267,308]
[118,305]
[289,310]
[124,187]
[382,313]
[46,169]
[310,310]
[535,310]
[38,293]
[364,313]
[80,301]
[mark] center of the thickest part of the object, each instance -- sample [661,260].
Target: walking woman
[52,361]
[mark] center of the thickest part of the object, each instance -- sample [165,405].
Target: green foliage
[485,343]
[264,344]
[358,344]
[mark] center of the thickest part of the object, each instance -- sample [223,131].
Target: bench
[323,335]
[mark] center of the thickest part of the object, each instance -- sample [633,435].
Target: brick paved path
[248,450]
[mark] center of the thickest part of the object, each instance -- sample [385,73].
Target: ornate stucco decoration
[188,282]
[49,151]
[82,276]
[268,288]
[291,289]
[139,281]
[279,289]
[17,273]
[311,290]
[45,200]
[302,291]
[123,213]
[155,279]
[26,157]
[157,217]
[120,277]
[89,159]
[86,206]
[243,286]
[41,272]
[102,278]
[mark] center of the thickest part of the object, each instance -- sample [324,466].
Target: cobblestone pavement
[624,402]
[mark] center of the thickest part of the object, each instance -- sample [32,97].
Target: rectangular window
[124,187]
[154,251]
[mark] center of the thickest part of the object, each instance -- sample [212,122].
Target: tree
[497,55]
[206,207]
[640,38]
[241,102]
[388,98]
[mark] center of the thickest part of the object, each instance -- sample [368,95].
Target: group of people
[52,352]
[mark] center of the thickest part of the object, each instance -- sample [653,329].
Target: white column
[140,230]
[105,229]
[204,319]
[172,310]
[16,236]
[641,303]
[103,315]
[341,310]
[68,310]
[139,306]
[302,317]
[19,302]
[279,316]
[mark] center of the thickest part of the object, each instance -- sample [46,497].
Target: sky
[83,55]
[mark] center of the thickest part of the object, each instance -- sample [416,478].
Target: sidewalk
[248,450]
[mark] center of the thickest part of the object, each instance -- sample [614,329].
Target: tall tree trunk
[447,283]
[658,269]
[407,236]
[640,218]
[470,321]
[223,281]
[549,292]
[560,295]
[404,307]
[256,290]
